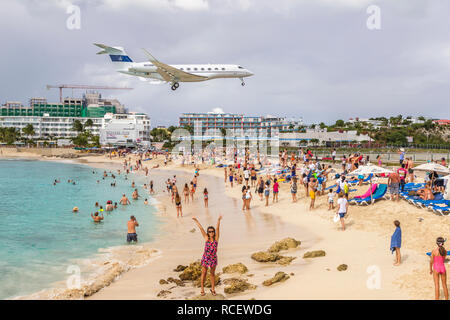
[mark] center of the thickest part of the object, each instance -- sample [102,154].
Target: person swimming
[96,217]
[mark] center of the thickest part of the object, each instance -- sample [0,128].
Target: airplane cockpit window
[240,67]
[203,68]
[223,68]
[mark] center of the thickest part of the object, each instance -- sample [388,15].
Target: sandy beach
[363,246]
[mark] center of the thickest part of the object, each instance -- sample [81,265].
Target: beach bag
[336,217]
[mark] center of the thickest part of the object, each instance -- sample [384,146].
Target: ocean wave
[103,269]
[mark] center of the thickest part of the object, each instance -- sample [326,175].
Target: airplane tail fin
[117,54]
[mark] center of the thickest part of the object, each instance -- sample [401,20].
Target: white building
[114,129]
[300,138]
[46,126]
[125,129]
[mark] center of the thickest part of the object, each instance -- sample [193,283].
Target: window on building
[195,68]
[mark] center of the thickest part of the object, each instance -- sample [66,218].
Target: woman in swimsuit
[244,193]
[192,191]
[186,193]
[209,259]
[178,204]
[205,197]
[437,268]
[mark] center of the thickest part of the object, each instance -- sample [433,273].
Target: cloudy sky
[314,59]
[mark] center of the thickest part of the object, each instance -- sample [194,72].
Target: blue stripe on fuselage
[120,58]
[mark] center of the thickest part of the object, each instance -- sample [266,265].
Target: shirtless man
[394,185]
[135,194]
[132,224]
[124,201]
[96,217]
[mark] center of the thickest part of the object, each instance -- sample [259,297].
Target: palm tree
[88,124]
[28,130]
[9,135]
[77,126]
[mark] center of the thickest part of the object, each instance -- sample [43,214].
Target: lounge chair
[365,195]
[380,193]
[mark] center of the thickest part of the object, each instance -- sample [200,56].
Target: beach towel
[396,239]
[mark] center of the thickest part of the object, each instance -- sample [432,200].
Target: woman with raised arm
[209,259]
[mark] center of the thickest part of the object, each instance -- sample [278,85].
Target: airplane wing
[171,74]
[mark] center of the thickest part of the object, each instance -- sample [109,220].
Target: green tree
[9,135]
[77,126]
[28,130]
[88,124]
[340,123]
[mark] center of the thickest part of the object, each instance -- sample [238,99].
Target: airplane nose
[249,73]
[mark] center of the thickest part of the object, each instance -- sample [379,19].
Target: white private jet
[159,72]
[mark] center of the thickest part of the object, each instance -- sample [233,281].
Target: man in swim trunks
[312,185]
[124,201]
[394,185]
[132,224]
[135,194]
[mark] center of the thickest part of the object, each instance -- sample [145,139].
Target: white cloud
[218,110]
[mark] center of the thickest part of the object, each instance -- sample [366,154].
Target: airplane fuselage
[209,71]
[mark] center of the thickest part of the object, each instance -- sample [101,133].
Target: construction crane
[78,86]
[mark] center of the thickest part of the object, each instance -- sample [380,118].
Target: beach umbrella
[369,169]
[431,166]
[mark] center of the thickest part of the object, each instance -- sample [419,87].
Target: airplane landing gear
[175,85]
[242,82]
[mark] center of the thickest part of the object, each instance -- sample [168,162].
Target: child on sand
[267,193]
[331,195]
[209,259]
[342,208]
[275,190]
[396,242]
[437,268]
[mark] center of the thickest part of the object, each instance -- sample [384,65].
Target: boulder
[162,281]
[284,261]
[235,268]
[192,272]
[163,293]
[180,268]
[342,267]
[235,285]
[263,256]
[176,281]
[279,277]
[314,254]
[284,244]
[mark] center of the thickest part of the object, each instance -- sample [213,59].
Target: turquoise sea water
[39,234]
